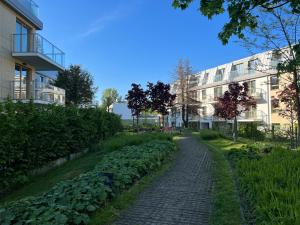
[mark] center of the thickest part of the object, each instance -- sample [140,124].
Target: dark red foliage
[137,99]
[234,101]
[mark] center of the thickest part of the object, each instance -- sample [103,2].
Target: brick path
[180,196]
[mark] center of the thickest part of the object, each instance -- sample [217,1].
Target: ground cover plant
[72,201]
[268,180]
[40,183]
[33,135]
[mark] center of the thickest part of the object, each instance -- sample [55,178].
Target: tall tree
[287,97]
[78,84]
[109,96]
[185,97]
[242,13]
[234,101]
[137,101]
[160,98]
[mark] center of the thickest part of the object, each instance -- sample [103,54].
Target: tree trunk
[235,129]
[295,78]
[163,120]
[187,116]
[137,123]
[183,114]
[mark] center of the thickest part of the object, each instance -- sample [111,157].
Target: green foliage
[71,201]
[268,180]
[209,134]
[242,14]
[249,130]
[78,84]
[32,136]
[109,96]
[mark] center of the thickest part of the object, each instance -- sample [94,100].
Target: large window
[21,38]
[218,92]
[251,87]
[205,78]
[237,70]
[253,65]
[20,83]
[274,82]
[219,75]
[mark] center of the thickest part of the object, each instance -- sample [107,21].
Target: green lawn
[226,206]
[42,183]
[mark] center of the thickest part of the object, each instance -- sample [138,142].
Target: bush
[72,201]
[209,134]
[249,130]
[33,135]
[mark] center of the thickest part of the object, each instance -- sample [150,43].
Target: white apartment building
[26,57]
[258,70]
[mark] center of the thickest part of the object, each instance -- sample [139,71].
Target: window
[21,38]
[251,87]
[193,95]
[203,94]
[274,82]
[219,75]
[252,65]
[218,92]
[205,78]
[20,90]
[274,104]
[204,111]
[237,70]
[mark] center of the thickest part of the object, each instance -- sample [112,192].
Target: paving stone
[182,196]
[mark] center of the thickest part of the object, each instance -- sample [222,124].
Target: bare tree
[278,30]
[186,97]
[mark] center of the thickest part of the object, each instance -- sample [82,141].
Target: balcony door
[21,82]
[21,38]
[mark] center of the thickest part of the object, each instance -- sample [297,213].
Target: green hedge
[268,181]
[33,135]
[72,201]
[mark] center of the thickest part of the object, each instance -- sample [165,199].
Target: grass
[113,209]
[226,206]
[41,183]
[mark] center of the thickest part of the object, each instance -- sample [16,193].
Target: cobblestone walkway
[180,196]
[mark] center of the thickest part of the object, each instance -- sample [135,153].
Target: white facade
[121,109]
[259,70]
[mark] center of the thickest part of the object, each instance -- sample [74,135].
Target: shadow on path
[181,196]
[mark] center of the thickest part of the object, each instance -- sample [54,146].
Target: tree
[242,13]
[137,101]
[78,84]
[234,101]
[160,98]
[109,96]
[185,98]
[287,96]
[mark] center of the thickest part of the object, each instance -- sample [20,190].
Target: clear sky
[125,41]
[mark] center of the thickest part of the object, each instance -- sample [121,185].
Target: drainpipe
[269,102]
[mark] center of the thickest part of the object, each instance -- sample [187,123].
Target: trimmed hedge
[72,201]
[34,135]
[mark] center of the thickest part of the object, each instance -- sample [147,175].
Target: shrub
[249,130]
[209,134]
[33,135]
[71,201]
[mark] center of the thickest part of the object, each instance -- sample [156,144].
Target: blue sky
[124,41]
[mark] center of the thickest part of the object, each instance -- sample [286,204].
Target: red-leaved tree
[160,98]
[137,101]
[234,102]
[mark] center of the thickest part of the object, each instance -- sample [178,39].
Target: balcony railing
[35,43]
[31,90]
[31,6]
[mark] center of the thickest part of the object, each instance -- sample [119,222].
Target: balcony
[253,115]
[37,51]
[38,92]
[28,9]
[258,94]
